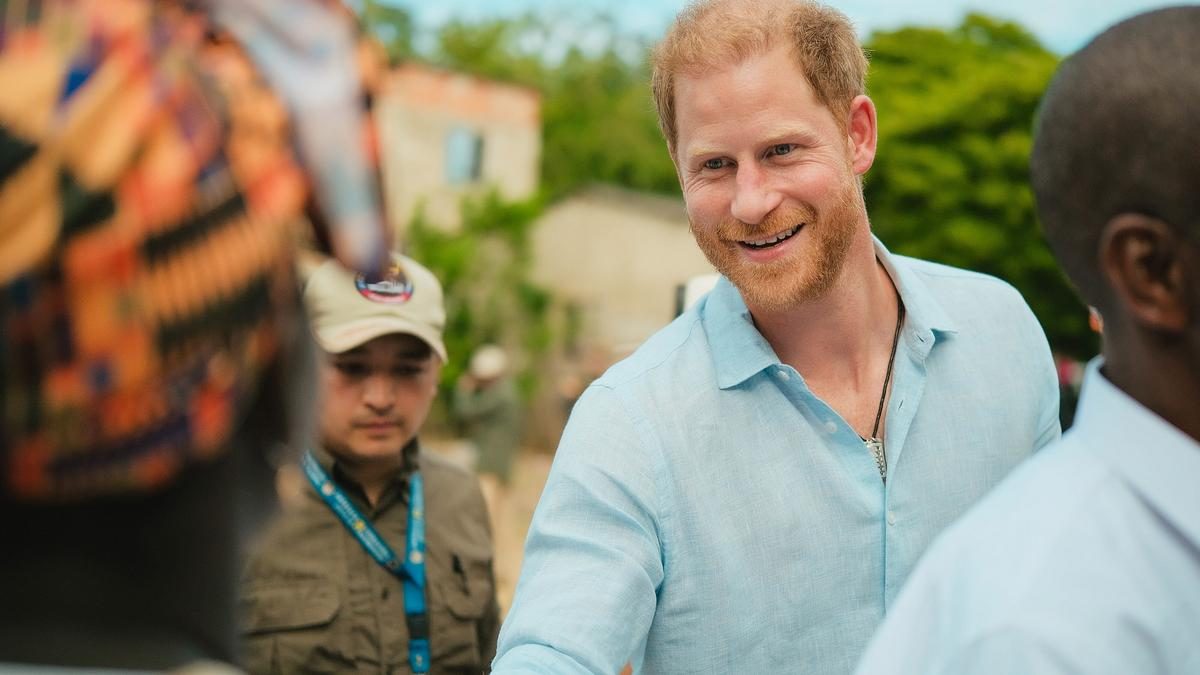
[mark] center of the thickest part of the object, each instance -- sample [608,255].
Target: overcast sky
[1061,25]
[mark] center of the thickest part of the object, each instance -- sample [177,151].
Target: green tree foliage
[496,49]
[951,178]
[598,118]
[599,104]
[483,267]
[392,26]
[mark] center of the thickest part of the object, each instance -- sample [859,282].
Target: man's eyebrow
[792,133]
[701,152]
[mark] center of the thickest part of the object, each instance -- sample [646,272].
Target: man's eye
[781,149]
[714,164]
[350,369]
[407,371]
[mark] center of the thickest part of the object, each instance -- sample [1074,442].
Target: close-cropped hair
[1117,133]
[711,34]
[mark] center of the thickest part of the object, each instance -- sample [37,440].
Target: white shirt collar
[1156,459]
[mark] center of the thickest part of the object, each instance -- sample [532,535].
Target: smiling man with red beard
[748,491]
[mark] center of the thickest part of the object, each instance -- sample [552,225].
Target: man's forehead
[757,102]
[780,55]
[769,75]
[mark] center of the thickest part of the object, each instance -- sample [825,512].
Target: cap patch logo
[392,286]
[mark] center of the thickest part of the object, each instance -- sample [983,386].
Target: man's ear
[1144,261]
[862,133]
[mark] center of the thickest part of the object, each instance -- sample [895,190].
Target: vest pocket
[460,597]
[292,627]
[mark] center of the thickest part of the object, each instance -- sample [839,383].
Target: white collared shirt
[1085,560]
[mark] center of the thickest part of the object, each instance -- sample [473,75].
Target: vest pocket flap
[288,607]
[470,591]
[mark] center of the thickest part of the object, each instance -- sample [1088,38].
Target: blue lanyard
[410,569]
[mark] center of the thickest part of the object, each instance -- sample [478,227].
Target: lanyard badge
[410,569]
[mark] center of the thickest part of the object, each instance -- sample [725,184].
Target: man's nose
[379,393]
[754,195]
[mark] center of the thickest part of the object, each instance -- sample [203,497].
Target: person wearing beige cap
[384,564]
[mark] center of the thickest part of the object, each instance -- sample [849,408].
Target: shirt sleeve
[593,558]
[1049,428]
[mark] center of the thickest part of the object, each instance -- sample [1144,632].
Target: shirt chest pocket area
[293,627]
[461,593]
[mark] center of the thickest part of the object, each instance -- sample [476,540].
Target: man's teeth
[771,241]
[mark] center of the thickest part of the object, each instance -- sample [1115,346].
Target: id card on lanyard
[410,569]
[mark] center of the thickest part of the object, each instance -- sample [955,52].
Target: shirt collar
[329,463]
[1157,460]
[740,351]
[922,310]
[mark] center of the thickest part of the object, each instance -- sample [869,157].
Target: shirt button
[783,374]
[891,518]
[830,427]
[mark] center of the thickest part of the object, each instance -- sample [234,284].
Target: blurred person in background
[385,562]
[152,347]
[750,489]
[488,407]
[1087,558]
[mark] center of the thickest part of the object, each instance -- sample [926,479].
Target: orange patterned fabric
[147,192]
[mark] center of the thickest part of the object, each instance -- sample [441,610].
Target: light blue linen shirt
[707,513]
[1086,560]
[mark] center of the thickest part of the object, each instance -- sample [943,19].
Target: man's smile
[771,241]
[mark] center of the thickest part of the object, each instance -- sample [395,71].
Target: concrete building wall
[618,255]
[418,108]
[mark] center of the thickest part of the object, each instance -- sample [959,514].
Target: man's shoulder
[986,311]
[303,517]
[456,511]
[941,279]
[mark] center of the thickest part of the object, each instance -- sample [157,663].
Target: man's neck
[844,335]
[1166,381]
[372,476]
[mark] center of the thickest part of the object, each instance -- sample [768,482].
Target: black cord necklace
[874,443]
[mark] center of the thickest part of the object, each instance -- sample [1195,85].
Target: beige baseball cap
[347,309]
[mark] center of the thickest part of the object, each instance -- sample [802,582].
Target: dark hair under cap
[1117,133]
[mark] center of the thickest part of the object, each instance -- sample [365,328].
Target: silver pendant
[876,447]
